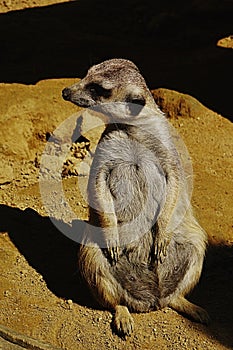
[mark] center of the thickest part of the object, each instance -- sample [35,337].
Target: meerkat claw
[114,254]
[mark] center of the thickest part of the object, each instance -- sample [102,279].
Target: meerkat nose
[66,94]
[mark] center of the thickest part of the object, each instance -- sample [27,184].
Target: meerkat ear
[135,103]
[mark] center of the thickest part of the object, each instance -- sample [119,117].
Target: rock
[6,172]
[176,104]
[12,340]
[226,42]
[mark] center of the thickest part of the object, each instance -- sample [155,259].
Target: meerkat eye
[136,103]
[97,90]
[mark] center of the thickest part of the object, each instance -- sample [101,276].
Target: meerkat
[143,248]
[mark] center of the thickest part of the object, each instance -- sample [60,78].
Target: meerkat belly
[136,182]
[129,190]
[140,282]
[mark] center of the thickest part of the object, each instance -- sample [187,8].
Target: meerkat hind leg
[123,322]
[197,313]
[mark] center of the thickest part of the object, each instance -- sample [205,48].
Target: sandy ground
[14,5]
[41,296]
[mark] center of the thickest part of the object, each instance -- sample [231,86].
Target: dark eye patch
[97,90]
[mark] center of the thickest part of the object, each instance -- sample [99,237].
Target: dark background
[174,43]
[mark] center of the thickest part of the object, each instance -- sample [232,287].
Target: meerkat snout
[66,93]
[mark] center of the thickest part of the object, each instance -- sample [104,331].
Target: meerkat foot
[197,313]
[123,323]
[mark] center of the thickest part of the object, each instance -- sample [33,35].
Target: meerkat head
[115,80]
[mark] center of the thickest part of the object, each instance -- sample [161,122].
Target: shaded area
[215,292]
[54,256]
[173,43]
[47,250]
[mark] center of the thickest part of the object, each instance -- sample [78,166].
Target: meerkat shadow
[54,256]
[47,250]
[215,292]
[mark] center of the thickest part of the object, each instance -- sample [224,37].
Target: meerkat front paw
[123,323]
[161,246]
[112,254]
